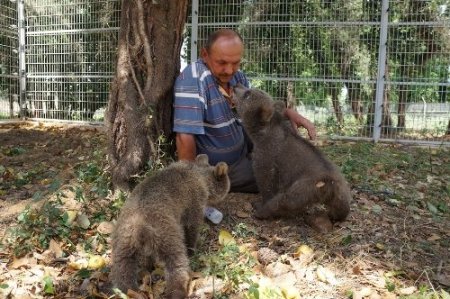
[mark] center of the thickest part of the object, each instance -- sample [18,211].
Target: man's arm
[299,121]
[186,148]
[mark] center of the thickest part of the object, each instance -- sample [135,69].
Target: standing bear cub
[161,220]
[292,175]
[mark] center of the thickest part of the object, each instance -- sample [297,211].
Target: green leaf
[445,295]
[84,273]
[48,285]
[37,195]
[54,185]
[432,208]
[346,240]
[4,286]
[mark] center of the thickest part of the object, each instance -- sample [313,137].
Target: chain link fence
[360,69]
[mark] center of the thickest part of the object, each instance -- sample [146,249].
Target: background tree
[148,61]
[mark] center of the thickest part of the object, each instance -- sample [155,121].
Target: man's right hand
[186,148]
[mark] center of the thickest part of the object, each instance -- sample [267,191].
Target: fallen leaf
[105,227]
[21,262]
[303,250]
[325,275]
[407,291]
[83,221]
[320,184]
[242,214]
[96,262]
[290,292]
[433,238]
[379,246]
[71,216]
[55,249]
[225,238]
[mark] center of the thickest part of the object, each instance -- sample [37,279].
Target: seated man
[204,116]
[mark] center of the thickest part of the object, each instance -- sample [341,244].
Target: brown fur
[161,219]
[292,175]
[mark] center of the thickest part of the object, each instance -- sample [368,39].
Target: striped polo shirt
[202,110]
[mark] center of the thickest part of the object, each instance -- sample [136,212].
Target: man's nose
[229,69]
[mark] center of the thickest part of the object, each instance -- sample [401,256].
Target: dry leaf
[242,214]
[83,221]
[105,227]
[290,292]
[325,275]
[96,262]
[379,246]
[303,250]
[55,249]
[225,238]
[25,261]
[433,238]
[407,291]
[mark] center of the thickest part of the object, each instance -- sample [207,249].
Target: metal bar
[22,61]
[379,92]
[323,80]
[397,141]
[56,32]
[50,76]
[322,23]
[194,31]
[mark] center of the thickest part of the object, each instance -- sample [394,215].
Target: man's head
[223,53]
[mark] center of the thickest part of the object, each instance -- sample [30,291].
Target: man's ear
[266,112]
[203,53]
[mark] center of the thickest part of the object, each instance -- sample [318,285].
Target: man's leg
[241,176]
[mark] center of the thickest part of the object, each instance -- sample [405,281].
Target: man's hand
[299,121]
[186,148]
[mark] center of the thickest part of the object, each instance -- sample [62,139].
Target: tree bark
[140,99]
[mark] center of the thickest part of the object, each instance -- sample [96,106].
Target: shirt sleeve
[188,106]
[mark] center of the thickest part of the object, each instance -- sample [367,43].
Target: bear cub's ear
[266,112]
[221,170]
[202,159]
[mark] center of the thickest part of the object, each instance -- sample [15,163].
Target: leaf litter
[395,243]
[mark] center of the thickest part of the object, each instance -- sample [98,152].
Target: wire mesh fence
[9,74]
[376,69]
[358,69]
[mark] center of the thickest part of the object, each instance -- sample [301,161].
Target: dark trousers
[241,176]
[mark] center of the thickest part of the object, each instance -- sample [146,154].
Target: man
[204,117]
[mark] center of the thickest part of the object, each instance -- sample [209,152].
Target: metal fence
[9,49]
[360,69]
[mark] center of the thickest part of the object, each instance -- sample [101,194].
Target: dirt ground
[384,249]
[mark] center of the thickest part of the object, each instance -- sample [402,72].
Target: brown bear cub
[160,222]
[292,175]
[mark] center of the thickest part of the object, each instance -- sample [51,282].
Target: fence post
[381,78]
[194,31]
[22,62]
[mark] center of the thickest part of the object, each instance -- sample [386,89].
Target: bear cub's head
[255,107]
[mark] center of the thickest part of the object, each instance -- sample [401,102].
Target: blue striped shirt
[201,109]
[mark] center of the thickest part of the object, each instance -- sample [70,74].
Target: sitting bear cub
[292,175]
[161,220]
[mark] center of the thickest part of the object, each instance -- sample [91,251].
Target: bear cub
[160,222]
[293,176]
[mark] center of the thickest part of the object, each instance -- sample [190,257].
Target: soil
[383,250]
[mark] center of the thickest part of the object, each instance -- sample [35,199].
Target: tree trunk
[140,99]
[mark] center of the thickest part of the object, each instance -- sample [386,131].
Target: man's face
[224,58]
